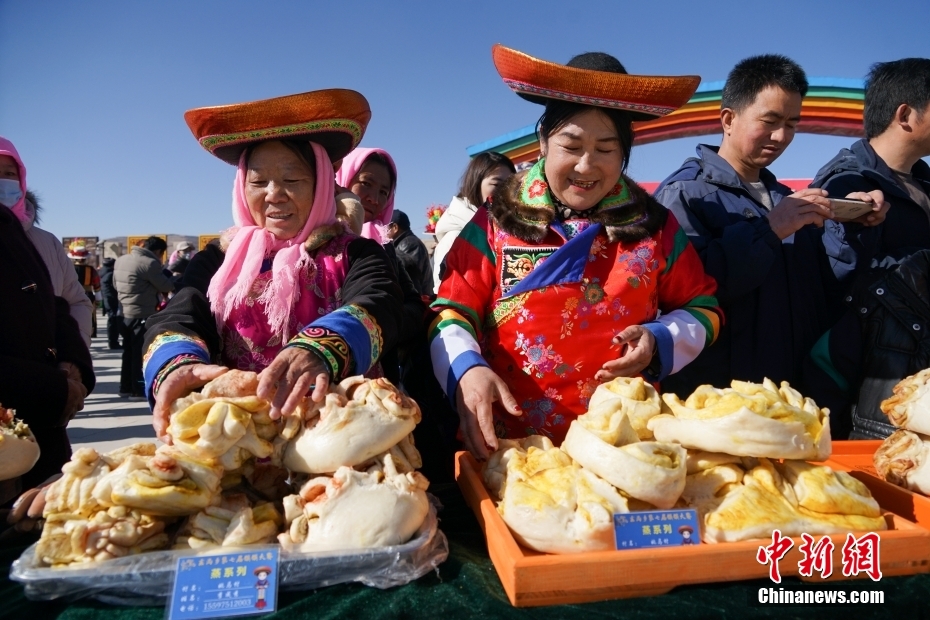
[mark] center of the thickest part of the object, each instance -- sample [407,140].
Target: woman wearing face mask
[562,278]
[45,365]
[296,295]
[485,172]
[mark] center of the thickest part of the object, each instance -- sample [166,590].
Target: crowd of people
[543,283]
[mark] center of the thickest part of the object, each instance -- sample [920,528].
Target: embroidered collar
[525,207]
[535,192]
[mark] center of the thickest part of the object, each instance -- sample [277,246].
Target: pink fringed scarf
[351,164]
[252,244]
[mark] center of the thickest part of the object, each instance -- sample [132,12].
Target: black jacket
[906,227]
[107,290]
[771,290]
[37,332]
[414,256]
[883,338]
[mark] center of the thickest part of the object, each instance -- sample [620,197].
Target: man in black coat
[110,303]
[897,126]
[411,252]
[45,367]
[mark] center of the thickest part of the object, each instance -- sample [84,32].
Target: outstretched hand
[179,384]
[288,379]
[478,390]
[637,345]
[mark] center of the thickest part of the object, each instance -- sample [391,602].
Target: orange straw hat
[335,119]
[644,96]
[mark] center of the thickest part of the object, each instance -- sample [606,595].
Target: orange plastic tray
[533,579]
[863,446]
[856,458]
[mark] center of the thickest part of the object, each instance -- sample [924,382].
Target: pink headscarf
[19,209]
[351,164]
[252,244]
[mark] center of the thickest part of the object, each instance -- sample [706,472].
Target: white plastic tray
[147,578]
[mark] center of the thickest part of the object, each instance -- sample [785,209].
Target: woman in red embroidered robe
[572,275]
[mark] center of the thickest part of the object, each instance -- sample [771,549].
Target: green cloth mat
[467,586]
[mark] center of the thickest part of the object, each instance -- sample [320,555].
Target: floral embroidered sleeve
[690,314]
[463,299]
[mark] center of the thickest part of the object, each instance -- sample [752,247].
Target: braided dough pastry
[550,503]
[351,509]
[747,419]
[909,407]
[359,419]
[604,442]
[904,459]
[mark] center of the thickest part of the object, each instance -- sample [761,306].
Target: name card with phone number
[235,583]
[656,528]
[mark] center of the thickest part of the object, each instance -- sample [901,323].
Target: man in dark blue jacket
[897,126]
[882,337]
[758,240]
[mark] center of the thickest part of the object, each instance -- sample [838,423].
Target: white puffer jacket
[64,277]
[448,227]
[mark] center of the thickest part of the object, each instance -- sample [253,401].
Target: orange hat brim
[334,118]
[647,96]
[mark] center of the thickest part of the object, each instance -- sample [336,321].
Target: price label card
[234,583]
[656,528]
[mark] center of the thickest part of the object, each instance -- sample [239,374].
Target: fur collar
[531,222]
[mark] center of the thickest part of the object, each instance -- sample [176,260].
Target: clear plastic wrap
[146,579]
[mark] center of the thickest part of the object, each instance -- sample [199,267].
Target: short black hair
[559,112]
[888,85]
[400,218]
[480,166]
[155,245]
[752,75]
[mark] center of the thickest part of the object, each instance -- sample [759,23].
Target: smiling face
[492,180]
[755,136]
[372,184]
[583,159]
[279,189]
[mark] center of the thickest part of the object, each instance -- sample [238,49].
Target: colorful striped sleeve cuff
[329,346]
[679,339]
[164,354]
[360,336]
[454,350]
[706,310]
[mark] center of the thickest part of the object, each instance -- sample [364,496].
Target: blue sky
[93,93]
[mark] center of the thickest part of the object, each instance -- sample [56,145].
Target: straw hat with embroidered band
[643,96]
[335,119]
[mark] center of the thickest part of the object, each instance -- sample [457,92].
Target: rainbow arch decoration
[832,107]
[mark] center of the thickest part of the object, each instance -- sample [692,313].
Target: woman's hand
[291,375]
[28,508]
[637,346]
[879,210]
[179,384]
[478,390]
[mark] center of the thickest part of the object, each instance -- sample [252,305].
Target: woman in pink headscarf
[294,295]
[371,175]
